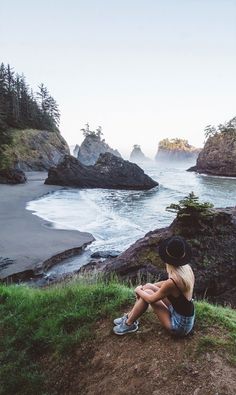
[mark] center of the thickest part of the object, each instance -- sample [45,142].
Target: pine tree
[190,210]
[20,108]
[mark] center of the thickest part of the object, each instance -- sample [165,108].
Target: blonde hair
[184,272]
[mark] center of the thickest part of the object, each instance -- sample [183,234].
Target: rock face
[76,150]
[108,172]
[213,242]
[176,149]
[137,155]
[91,148]
[12,176]
[36,150]
[218,156]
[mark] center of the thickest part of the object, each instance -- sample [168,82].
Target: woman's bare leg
[139,308]
[160,309]
[163,314]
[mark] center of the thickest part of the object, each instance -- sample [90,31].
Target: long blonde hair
[184,272]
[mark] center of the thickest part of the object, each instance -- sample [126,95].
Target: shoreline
[29,243]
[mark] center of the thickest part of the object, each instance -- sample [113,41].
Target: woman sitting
[171,299]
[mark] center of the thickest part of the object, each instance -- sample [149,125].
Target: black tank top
[180,303]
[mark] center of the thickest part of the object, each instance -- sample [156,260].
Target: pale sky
[143,70]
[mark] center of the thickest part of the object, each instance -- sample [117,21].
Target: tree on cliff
[228,127]
[91,133]
[176,143]
[190,211]
[48,105]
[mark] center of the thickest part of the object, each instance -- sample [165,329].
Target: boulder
[92,147]
[105,254]
[12,176]
[213,242]
[218,156]
[109,171]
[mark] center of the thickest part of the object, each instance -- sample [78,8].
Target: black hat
[175,251]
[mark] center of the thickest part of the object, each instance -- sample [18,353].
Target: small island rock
[176,149]
[109,171]
[137,155]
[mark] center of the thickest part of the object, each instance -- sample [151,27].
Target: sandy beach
[27,242]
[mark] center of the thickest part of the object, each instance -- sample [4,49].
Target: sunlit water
[118,218]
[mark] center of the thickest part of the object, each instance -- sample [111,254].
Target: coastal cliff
[29,136]
[218,156]
[176,149]
[35,150]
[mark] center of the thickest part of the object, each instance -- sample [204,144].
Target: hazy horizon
[143,71]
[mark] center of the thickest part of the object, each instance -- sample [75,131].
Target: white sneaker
[119,320]
[123,328]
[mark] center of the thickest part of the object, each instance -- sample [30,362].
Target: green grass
[34,322]
[223,321]
[54,322]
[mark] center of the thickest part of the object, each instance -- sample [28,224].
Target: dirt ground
[149,361]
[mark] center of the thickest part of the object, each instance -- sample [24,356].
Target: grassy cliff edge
[52,324]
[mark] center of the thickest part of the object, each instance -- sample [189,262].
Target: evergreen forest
[21,108]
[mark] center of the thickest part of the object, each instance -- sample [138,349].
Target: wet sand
[27,242]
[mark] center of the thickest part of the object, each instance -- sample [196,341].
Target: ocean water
[118,218]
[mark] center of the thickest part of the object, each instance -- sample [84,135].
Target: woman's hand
[138,288]
[147,286]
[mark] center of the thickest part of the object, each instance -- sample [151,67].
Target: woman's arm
[161,293]
[159,283]
[153,287]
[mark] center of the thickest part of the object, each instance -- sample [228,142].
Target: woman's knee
[150,286]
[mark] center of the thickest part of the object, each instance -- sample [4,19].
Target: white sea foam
[118,218]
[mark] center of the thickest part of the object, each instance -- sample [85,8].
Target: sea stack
[137,155]
[92,146]
[176,149]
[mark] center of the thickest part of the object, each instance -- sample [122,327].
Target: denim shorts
[180,324]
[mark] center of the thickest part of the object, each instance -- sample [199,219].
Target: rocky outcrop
[213,242]
[218,156]
[176,149]
[137,155]
[76,150]
[108,172]
[36,150]
[12,176]
[92,147]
